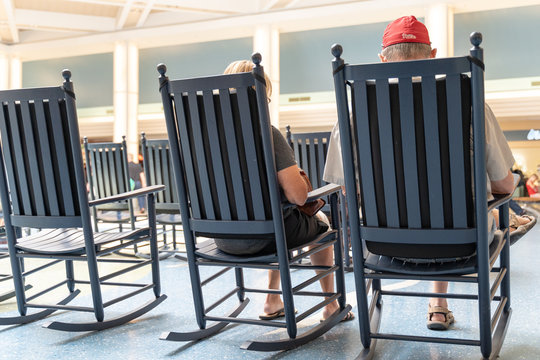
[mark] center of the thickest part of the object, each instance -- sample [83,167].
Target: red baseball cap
[405,29]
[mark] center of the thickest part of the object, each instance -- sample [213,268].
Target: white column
[4,72]
[440,23]
[266,42]
[11,70]
[133,135]
[15,78]
[126,94]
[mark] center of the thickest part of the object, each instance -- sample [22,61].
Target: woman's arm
[293,185]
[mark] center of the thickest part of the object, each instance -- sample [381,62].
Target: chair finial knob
[66,74]
[162,69]
[256,58]
[85,139]
[476,38]
[337,50]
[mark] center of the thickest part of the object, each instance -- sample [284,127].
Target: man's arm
[504,186]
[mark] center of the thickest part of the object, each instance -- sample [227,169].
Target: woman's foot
[329,310]
[272,308]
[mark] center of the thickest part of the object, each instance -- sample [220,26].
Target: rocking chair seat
[169,219]
[114,216]
[208,250]
[71,240]
[456,266]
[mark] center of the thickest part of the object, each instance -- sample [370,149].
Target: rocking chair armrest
[498,200]
[315,194]
[127,195]
[322,191]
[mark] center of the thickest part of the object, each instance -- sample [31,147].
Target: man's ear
[433,53]
[383,59]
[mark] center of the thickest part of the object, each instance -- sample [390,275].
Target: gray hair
[406,51]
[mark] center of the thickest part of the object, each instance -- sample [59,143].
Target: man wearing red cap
[408,39]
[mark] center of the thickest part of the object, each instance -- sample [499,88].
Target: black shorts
[299,230]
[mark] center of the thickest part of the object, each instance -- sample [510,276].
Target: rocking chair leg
[102,325]
[25,319]
[288,344]
[70,276]
[203,333]
[239,273]
[10,294]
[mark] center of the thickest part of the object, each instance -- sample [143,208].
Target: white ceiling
[30,21]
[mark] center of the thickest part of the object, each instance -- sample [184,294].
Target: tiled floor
[140,339]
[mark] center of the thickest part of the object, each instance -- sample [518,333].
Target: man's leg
[439,317]
[439,287]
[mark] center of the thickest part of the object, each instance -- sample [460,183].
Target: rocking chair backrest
[158,170]
[411,123]
[221,132]
[38,179]
[310,153]
[107,171]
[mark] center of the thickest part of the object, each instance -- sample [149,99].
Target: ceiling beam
[145,13]
[228,7]
[166,5]
[269,4]
[34,19]
[277,4]
[292,3]
[123,14]
[9,8]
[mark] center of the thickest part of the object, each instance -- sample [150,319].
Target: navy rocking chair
[107,172]
[222,154]
[422,184]
[310,152]
[42,186]
[158,170]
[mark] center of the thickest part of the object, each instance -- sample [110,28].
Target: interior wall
[527,155]
[206,58]
[306,60]
[509,48]
[92,77]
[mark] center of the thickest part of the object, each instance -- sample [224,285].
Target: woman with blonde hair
[300,228]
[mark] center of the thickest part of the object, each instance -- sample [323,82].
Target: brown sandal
[439,325]
[514,222]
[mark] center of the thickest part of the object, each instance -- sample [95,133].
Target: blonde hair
[241,66]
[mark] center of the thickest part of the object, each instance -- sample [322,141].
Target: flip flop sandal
[275,315]
[348,317]
[439,325]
